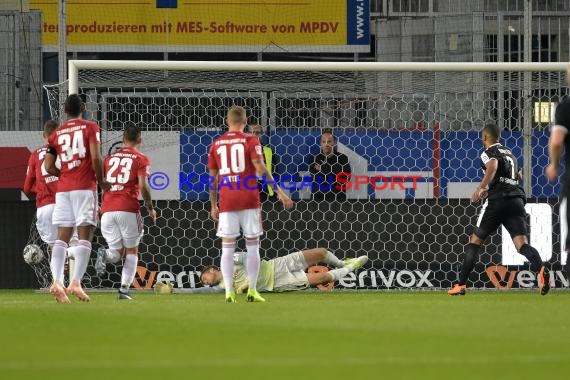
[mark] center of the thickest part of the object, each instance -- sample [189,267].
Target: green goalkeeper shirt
[265,280]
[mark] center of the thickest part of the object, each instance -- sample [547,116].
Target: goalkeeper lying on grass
[282,273]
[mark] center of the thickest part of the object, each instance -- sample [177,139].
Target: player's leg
[250,222]
[49,234]
[336,274]
[564,223]
[111,231]
[73,242]
[487,222]
[62,217]
[228,230]
[84,206]
[316,255]
[131,228]
[515,222]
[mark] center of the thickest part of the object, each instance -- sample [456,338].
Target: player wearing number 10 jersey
[127,171]
[504,204]
[76,143]
[235,160]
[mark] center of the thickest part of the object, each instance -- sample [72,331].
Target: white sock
[129,271]
[71,252]
[82,253]
[339,273]
[253,261]
[227,264]
[112,256]
[57,261]
[331,259]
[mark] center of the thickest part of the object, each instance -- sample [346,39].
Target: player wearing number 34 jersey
[77,145]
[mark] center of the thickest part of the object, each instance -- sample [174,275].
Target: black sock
[532,255]
[471,253]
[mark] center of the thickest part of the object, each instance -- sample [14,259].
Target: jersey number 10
[236,159]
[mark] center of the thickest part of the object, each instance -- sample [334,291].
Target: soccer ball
[33,254]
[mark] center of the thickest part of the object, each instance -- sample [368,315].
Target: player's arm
[207,290]
[555,149]
[346,164]
[145,192]
[261,170]
[49,161]
[97,165]
[490,171]
[214,211]
[314,168]
[30,176]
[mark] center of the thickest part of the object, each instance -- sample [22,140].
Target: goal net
[412,138]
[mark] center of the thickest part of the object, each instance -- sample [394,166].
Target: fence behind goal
[421,128]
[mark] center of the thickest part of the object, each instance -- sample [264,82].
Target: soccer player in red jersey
[76,143]
[235,160]
[127,171]
[44,185]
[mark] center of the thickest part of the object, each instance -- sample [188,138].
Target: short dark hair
[73,105]
[49,127]
[132,133]
[328,132]
[204,270]
[492,130]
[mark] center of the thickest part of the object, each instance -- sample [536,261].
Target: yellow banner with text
[205,25]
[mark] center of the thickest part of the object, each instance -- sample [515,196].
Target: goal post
[411,131]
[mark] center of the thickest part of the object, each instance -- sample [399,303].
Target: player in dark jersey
[558,142]
[504,204]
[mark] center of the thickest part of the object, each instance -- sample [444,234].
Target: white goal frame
[76,65]
[482,78]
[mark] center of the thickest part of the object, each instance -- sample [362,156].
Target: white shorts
[249,220]
[122,229]
[44,224]
[75,208]
[290,272]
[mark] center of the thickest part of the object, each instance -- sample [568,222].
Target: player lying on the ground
[282,273]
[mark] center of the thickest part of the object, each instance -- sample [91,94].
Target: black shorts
[509,212]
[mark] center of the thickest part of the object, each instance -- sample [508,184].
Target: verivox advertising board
[200,25]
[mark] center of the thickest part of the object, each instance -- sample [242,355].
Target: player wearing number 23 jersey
[121,224]
[122,170]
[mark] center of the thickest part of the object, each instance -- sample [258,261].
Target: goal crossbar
[76,65]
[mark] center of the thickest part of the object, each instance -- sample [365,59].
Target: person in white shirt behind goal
[284,273]
[77,145]
[127,171]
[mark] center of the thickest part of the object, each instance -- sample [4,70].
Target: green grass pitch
[312,335]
